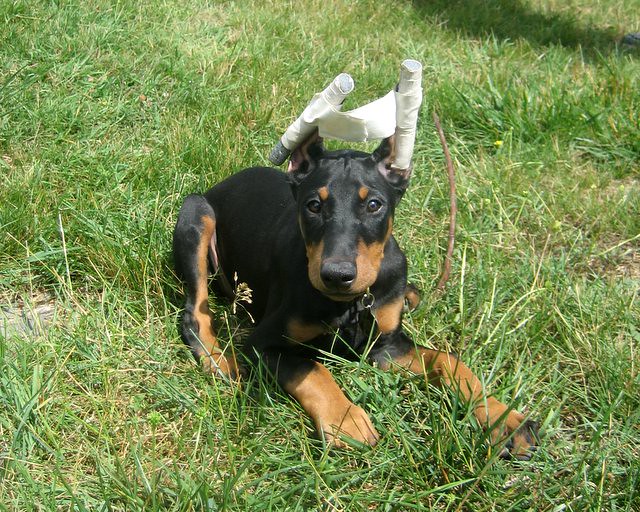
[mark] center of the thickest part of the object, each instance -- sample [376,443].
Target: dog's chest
[346,331]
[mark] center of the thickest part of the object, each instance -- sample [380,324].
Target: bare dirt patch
[26,317]
[624,262]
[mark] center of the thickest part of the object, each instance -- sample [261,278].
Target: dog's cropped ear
[303,157]
[384,156]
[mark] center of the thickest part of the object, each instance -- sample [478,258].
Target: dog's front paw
[521,435]
[347,421]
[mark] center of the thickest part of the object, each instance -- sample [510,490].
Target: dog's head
[346,203]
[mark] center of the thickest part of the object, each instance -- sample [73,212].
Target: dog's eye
[314,206]
[373,205]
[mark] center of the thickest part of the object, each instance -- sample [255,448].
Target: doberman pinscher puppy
[315,246]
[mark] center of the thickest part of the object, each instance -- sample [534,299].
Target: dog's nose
[338,274]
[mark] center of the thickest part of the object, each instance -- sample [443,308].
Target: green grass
[111,112]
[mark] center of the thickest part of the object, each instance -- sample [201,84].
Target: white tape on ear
[321,104]
[373,121]
[408,99]
[397,112]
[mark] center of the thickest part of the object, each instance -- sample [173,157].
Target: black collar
[356,309]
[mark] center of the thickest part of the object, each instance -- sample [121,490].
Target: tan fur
[323,193]
[388,316]
[446,369]
[211,354]
[314,255]
[368,261]
[302,332]
[363,192]
[413,298]
[332,412]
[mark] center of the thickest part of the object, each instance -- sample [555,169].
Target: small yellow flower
[498,143]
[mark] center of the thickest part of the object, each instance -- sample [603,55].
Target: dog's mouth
[342,296]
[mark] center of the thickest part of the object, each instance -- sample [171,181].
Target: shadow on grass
[515,19]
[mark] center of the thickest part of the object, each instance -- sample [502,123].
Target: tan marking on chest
[412,296]
[388,315]
[303,332]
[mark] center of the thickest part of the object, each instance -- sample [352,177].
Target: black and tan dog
[315,246]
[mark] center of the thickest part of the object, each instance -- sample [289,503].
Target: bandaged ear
[385,156]
[394,114]
[303,127]
[408,96]
[300,163]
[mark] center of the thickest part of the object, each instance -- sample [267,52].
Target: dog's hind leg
[191,243]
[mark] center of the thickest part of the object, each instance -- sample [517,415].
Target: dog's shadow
[515,19]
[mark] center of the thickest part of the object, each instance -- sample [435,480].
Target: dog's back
[255,218]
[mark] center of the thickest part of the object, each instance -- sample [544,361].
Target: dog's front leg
[313,386]
[396,350]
